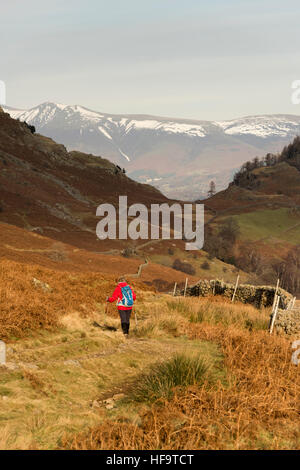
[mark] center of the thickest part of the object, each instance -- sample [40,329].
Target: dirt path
[19,363]
[141,267]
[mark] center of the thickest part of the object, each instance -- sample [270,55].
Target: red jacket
[117,295]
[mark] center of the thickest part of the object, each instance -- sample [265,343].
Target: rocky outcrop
[41,285]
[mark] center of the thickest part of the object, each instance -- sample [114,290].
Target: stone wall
[288,321]
[260,296]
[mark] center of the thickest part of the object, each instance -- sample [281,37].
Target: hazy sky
[216,59]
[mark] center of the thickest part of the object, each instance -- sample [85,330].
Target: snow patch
[124,155]
[86,114]
[104,132]
[152,180]
[171,127]
[260,126]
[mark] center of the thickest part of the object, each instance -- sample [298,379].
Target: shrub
[205,265]
[128,252]
[163,377]
[183,267]
[221,244]
[31,128]
[58,252]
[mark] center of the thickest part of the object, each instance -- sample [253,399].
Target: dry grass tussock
[219,310]
[26,306]
[257,408]
[170,315]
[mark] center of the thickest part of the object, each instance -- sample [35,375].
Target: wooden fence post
[275,313]
[235,289]
[276,290]
[291,304]
[186,284]
[174,291]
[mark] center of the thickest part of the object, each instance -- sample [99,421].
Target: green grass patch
[5,391]
[269,223]
[163,377]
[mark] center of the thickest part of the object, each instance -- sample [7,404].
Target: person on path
[125,297]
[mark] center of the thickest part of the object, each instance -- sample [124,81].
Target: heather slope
[47,189]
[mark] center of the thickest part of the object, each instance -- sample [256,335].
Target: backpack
[127,297]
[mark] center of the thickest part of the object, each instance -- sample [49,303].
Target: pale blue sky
[183,58]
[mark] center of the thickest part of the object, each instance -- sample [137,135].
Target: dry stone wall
[259,296]
[288,321]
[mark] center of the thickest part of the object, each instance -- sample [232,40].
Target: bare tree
[212,189]
[289,270]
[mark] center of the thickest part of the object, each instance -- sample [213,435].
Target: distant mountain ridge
[179,156]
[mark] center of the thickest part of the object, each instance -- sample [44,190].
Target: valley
[71,379]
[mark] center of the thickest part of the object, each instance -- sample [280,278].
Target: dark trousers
[125,320]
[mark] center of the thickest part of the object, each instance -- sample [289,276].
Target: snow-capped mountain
[179,156]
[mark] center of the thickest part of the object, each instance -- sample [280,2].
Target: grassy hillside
[75,386]
[262,207]
[45,189]
[205,268]
[272,225]
[56,379]
[252,404]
